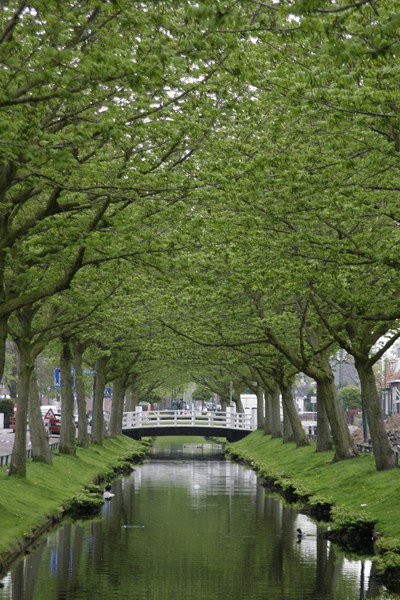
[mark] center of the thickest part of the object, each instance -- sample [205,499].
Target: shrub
[123,467]
[352,531]
[388,545]
[386,566]
[343,520]
[320,508]
[92,488]
[82,505]
[7,408]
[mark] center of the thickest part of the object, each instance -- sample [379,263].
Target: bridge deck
[230,425]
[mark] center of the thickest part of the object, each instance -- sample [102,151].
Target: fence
[188,418]
[5,460]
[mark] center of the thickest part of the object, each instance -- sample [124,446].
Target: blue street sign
[57,378]
[107,392]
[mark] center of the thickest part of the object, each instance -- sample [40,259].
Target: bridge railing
[187,418]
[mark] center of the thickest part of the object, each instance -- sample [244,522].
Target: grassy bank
[28,503]
[353,484]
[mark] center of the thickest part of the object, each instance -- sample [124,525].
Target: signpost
[52,422]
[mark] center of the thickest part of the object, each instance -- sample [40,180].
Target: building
[344,370]
[391,385]
[249,401]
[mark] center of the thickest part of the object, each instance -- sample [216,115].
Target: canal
[189,525]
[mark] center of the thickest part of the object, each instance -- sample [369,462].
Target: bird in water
[300,535]
[107,495]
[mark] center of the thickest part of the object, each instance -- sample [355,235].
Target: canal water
[190,525]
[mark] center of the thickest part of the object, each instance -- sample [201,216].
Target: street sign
[107,392]
[57,378]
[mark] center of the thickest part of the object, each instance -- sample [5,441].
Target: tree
[350,396]
[202,394]
[11,369]
[30,341]
[229,174]
[96,118]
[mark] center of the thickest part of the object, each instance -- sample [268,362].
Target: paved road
[7,441]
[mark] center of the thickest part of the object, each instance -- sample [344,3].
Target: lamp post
[364,421]
[313,401]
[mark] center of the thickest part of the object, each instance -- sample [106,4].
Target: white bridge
[230,424]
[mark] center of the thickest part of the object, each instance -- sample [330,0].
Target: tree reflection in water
[182,528]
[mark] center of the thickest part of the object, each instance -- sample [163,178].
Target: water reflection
[189,529]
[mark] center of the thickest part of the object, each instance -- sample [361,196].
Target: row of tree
[199,191]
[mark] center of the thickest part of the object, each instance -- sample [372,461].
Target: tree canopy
[204,191]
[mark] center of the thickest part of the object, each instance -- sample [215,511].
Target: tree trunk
[238,402]
[276,427]
[77,356]
[117,406]
[3,337]
[287,431]
[67,429]
[223,402]
[98,400]
[384,456]
[12,375]
[260,407]
[268,412]
[324,438]
[18,455]
[39,439]
[326,391]
[289,409]
[132,398]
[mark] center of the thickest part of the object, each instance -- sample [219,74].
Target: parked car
[209,407]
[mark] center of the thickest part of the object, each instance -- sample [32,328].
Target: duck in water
[107,495]
[300,535]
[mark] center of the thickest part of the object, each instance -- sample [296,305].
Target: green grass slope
[353,484]
[27,503]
